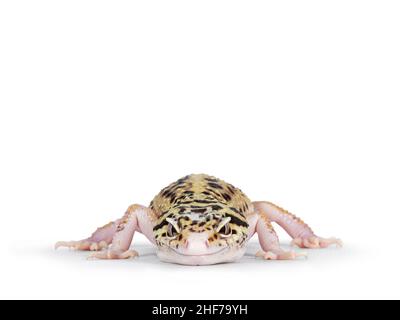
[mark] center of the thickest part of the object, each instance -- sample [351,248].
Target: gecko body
[201,220]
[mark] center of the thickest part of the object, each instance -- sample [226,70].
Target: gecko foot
[82,245]
[316,242]
[111,254]
[282,255]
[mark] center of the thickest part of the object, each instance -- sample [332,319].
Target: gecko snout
[196,244]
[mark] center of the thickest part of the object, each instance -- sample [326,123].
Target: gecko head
[192,238]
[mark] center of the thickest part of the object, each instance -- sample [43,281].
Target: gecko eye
[224,229]
[173,229]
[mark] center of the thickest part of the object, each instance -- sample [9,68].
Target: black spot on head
[186,202]
[202,224]
[215,185]
[171,194]
[199,210]
[182,210]
[234,231]
[227,197]
[216,207]
[213,193]
[204,201]
[183,179]
[234,209]
[230,189]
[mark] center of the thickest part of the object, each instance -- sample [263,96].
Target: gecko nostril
[207,243]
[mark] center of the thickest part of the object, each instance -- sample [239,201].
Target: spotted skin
[200,220]
[199,203]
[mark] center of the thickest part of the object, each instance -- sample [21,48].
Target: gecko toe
[316,242]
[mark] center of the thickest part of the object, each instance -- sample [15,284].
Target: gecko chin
[197,258]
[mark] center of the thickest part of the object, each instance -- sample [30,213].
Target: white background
[103,103]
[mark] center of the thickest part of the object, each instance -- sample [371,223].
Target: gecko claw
[269,255]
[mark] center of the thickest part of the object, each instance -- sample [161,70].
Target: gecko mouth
[200,255]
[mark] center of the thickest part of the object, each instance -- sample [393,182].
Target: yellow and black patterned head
[201,220]
[202,231]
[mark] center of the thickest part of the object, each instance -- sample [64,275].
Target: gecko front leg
[301,233]
[116,237]
[271,250]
